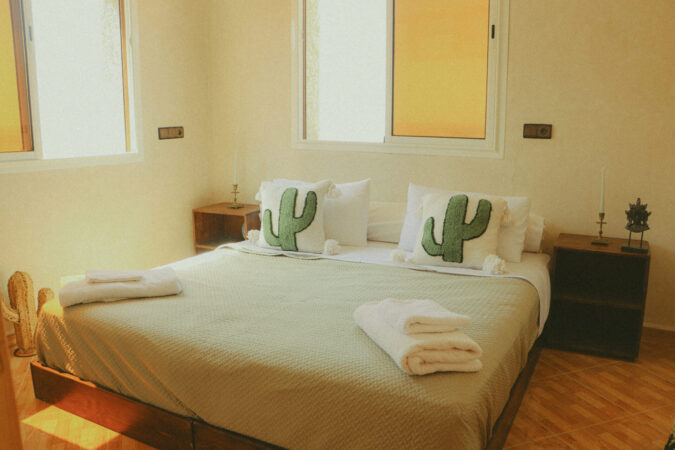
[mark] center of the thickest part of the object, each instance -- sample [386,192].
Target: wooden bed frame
[162,429]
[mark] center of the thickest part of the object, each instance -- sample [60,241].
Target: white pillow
[385,221]
[293,216]
[534,233]
[458,230]
[345,217]
[413,221]
[511,235]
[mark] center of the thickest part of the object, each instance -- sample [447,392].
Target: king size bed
[262,350]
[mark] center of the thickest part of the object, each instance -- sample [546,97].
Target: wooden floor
[586,402]
[46,427]
[573,401]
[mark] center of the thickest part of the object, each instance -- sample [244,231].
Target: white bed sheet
[533,267]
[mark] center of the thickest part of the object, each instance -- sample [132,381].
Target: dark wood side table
[598,297]
[218,224]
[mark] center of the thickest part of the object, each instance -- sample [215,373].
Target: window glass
[440,68]
[345,70]
[10,114]
[80,79]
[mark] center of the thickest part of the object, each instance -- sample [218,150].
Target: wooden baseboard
[166,430]
[656,326]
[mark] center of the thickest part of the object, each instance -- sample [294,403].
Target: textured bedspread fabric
[267,347]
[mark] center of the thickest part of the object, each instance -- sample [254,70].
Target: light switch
[171,132]
[537,130]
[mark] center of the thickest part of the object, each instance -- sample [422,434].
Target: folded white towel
[421,353]
[154,283]
[111,276]
[420,316]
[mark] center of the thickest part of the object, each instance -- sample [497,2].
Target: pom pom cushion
[346,216]
[292,216]
[511,235]
[458,230]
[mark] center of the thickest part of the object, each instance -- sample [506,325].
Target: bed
[264,346]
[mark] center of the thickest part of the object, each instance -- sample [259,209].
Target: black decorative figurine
[637,215]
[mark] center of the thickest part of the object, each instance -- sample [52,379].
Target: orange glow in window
[440,68]
[10,117]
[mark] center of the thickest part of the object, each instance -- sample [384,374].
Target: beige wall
[62,222]
[601,72]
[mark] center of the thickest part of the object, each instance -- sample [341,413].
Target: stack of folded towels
[112,285]
[421,336]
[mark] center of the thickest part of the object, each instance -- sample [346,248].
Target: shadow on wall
[551,232]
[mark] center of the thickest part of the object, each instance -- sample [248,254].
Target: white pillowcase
[478,215]
[511,235]
[309,237]
[345,217]
[534,233]
[385,221]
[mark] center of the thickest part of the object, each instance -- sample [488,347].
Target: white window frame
[29,161]
[490,147]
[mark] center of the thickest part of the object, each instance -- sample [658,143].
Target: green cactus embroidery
[455,229]
[289,225]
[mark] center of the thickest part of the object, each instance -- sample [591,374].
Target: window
[423,76]
[65,72]
[15,127]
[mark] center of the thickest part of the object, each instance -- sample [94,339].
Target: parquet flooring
[574,401]
[577,401]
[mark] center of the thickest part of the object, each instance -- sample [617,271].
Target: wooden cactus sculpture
[21,310]
[455,230]
[289,225]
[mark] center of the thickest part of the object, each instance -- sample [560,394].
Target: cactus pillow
[511,234]
[346,216]
[458,229]
[292,216]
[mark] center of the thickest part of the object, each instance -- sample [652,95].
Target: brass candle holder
[600,240]
[235,191]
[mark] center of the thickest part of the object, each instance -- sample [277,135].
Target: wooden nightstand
[598,297]
[218,224]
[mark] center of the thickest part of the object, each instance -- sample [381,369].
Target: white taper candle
[236,154]
[602,191]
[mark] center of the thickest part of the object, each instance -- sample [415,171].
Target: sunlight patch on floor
[76,431]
